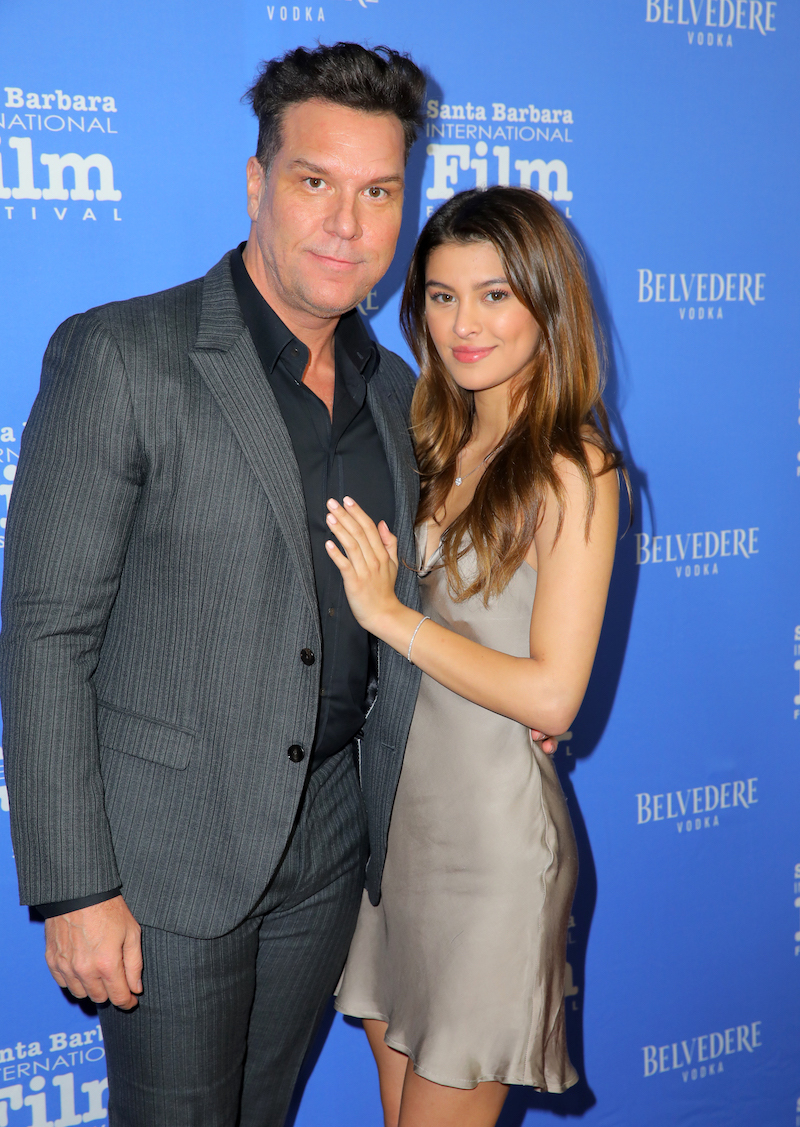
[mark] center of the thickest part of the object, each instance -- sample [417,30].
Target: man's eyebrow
[318,170]
[309,167]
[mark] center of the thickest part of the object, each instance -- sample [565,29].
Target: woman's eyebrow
[477,286]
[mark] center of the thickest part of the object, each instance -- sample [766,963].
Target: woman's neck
[492,416]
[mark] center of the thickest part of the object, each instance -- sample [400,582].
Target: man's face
[326,220]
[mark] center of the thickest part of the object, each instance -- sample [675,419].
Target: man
[184,685]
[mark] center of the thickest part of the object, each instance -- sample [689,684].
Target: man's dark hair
[347,74]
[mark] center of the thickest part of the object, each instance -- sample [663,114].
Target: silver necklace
[461,478]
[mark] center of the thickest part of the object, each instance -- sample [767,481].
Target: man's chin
[332,305]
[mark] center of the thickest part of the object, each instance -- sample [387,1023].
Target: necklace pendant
[459,480]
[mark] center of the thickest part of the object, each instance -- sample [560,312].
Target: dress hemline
[463,1085]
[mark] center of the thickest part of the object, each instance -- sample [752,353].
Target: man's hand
[97,951]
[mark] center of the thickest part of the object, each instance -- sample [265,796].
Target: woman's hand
[369,567]
[548,744]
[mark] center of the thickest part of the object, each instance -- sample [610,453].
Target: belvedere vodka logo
[702,297]
[51,1081]
[696,808]
[797,908]
[28,118]
[3,787]
[472,145]
[797,670]
[705,1054]
[697,554]
[714,23]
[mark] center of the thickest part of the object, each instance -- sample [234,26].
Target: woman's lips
[470,355]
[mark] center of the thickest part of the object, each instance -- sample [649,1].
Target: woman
[459,972]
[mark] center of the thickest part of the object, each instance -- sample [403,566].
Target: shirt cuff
[61,907]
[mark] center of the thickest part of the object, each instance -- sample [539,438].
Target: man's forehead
[318,128]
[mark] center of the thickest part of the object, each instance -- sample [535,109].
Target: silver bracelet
[425,618]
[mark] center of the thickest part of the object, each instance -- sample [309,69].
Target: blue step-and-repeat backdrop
[666,132]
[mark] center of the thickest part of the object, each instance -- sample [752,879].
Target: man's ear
[256,182]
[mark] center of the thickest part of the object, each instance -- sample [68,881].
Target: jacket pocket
[143,738]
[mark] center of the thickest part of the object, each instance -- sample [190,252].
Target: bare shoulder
[573,481]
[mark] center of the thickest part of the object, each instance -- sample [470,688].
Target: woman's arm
[543,691]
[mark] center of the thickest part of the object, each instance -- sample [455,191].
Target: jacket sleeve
[72,510]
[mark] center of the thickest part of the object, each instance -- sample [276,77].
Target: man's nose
[342,219]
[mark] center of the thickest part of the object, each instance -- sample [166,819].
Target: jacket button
[307,657]
[296,753]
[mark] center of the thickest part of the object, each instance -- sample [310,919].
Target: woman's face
[483,333]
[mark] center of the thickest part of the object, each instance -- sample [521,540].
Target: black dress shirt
[336,456]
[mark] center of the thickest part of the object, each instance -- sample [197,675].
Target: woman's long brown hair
[557,406]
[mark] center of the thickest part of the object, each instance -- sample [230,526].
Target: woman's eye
[441,298]
[496,295]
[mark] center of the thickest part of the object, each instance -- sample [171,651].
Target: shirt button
[331,612]
[307,657]
[296,753]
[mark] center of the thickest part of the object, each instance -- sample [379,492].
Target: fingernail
[329,545]
[349,501]
[331,519]
[332,504]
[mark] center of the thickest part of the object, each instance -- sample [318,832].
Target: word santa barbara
[702,1056]
[703,804]
[677,548]
[500,112]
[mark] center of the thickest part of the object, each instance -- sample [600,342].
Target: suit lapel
[226,358]
[392,427]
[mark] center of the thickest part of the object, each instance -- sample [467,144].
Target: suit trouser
[222,1026]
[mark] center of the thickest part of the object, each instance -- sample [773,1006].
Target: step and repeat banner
[665,131]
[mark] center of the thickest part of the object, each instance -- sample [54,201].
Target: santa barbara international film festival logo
[692,809]
[34,180]
[714,23]
[9,456]
[55,1076]
[474,144]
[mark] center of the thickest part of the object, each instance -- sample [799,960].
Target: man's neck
[316,333]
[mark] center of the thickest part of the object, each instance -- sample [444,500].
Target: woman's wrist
[396,626]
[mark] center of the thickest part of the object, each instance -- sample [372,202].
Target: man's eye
[314,181]
[376,193]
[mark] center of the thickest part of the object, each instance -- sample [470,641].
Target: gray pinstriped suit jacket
[158,592]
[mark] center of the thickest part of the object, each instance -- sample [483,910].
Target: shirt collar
[351,334]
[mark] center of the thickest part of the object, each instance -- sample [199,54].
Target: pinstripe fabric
[203,1040]
[158,592]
